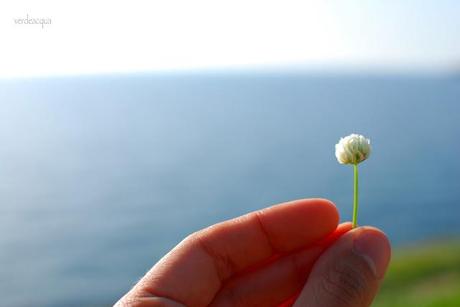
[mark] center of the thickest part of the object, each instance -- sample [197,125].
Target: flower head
[353,149]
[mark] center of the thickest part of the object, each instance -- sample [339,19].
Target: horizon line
[325,69]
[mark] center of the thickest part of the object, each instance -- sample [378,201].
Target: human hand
[289,254]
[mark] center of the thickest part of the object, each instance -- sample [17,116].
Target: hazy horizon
[153,36]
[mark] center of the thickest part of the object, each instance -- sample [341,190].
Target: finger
[195,270]
[349,272]
[275,283]
[326,242]
[271,285]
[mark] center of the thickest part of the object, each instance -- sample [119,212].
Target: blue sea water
[100,176]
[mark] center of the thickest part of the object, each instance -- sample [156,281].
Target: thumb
[348,274]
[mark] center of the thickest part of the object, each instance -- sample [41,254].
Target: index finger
[194,271]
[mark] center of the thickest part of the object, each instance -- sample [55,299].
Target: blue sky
[87,37]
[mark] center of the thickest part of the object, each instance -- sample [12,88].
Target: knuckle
[224,266]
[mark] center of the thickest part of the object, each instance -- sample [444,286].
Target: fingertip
[375,234]
[328,205]
[326,216]
[374,230]
[324,208]
[347,225]
[325,211]
[371,231]
[328,211]
[360,257]
[373,243]
[299,223]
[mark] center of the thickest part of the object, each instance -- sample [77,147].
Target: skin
[293,253]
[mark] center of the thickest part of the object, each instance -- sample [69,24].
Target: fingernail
[374,247]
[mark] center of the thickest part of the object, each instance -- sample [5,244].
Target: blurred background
[125,127]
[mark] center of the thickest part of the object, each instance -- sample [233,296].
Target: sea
[101,175]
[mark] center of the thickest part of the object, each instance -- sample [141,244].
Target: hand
[292,253]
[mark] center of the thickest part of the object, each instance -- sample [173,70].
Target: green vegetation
[423,276]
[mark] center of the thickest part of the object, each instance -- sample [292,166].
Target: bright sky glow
[87,37]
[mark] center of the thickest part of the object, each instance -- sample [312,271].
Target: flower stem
[355,197]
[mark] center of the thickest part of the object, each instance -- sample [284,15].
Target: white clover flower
[353,149]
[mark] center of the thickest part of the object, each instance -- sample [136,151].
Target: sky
[92,37]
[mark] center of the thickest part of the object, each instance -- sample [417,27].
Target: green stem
[355,197]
